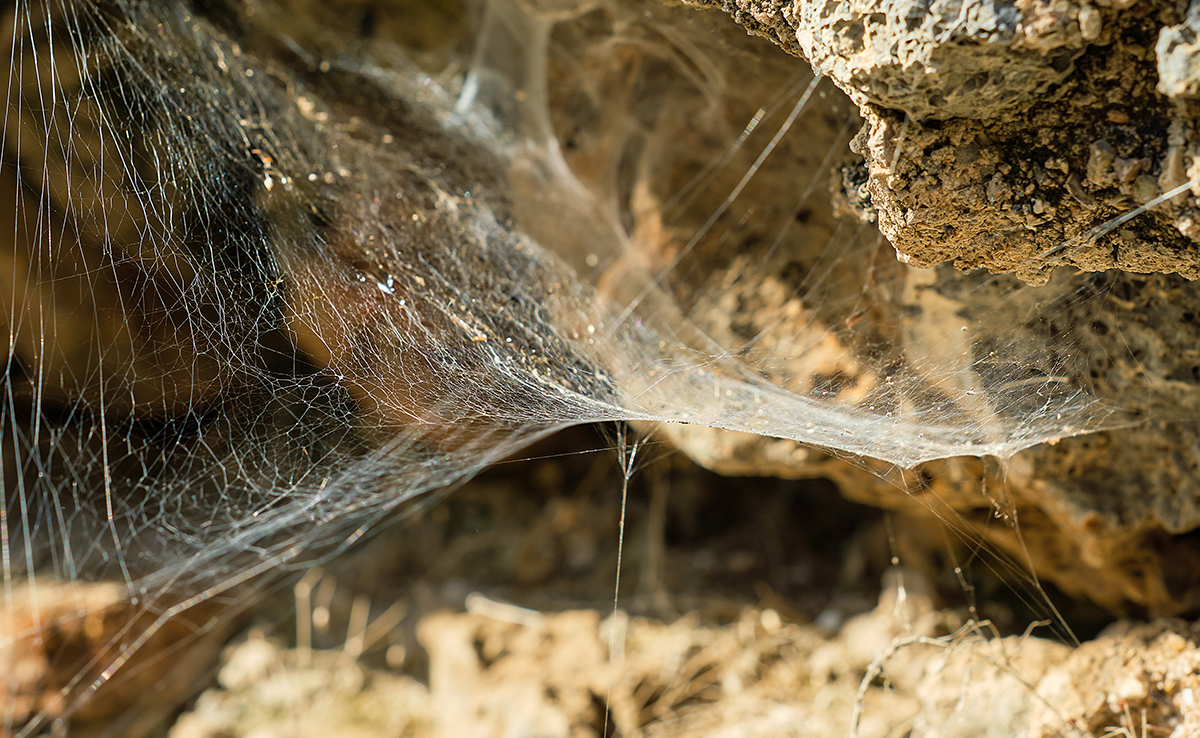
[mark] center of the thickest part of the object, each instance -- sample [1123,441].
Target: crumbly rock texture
[1010,136]
[1019,138]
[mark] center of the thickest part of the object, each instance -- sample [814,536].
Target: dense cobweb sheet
[621,346]
[263,285]
[255,283]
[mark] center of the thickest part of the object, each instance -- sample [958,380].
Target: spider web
[265,286]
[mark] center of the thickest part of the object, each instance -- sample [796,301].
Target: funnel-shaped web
[263,285]
[255,287]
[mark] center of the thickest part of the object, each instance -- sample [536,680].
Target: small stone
[1126,170]
[1178,53]
[1188,227]
[248,663]
[1089,23]
[1100,163]
[1145,188]
[1131,690]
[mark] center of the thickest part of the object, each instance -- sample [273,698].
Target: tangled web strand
[265,285]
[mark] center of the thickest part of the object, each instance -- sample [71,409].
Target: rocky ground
[747,607]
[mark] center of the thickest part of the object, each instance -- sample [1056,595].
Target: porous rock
[1011,136]
[1029,181]
[938,60]
[1177,49]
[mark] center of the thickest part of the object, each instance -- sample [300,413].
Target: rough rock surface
[1106,516]
[1177,51]
[975,59]
[1010,136]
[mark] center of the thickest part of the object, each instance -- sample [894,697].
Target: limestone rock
[1177,49]
[1032,176]
[983,119]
